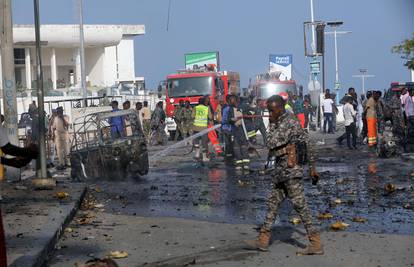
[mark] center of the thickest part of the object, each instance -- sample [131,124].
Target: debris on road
[325,216]
[359,220]
[62,195]
[117,254]
[20,187]
[339,226]
[389,188]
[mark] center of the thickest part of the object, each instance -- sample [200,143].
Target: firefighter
[201,116]
[232,120]
[226,127]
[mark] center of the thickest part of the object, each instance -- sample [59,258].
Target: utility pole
[82,54]
[363,76]
[9,83]
[335,33]
[313,27]
[42,181]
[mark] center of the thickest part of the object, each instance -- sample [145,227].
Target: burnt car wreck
[109,145]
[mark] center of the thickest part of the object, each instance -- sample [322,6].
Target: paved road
[184,211]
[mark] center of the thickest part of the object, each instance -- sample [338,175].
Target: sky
[246,32]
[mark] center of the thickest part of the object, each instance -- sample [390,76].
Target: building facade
[109,55]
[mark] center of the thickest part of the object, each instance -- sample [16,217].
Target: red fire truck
[192,84]
[269,84]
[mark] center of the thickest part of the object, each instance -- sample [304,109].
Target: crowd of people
[396,108]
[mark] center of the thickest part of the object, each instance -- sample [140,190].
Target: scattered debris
[389,188]
[359,220]
[98,189]
[62,195]
[117,254]
[339,226]
[325,216]
[20,187]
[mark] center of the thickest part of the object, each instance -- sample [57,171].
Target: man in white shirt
[350,127]
[327,106]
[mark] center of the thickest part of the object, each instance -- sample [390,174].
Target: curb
[43,256]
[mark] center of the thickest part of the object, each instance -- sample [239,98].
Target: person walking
[371,115]
[327,107]
[284,134]
[201,116]
[299,109]
[60,132]
[350,125]
[354,97]
[146,120]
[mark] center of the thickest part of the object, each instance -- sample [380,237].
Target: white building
[109,54]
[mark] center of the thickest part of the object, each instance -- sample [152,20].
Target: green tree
[406,50]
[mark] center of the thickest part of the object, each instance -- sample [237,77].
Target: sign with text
[282,64]
[198,60]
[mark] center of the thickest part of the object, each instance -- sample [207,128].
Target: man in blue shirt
[117,123]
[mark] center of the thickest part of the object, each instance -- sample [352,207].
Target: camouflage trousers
[293,189]
[186,129]
[146,127]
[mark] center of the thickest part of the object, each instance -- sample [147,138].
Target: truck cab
[190,85]
[269,84]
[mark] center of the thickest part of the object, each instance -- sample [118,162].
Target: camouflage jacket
[186,115]
[284,132]
[177,113]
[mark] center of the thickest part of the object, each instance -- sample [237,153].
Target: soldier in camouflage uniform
[380,113]
[177,118]
[397,117]
[283,138]
[186,119]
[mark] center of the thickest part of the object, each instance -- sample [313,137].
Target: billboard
[201,59]
[283,64]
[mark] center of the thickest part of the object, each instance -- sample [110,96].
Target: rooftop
[67,35]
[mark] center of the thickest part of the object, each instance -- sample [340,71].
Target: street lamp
[335,25]
[42,181]
[363,75]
